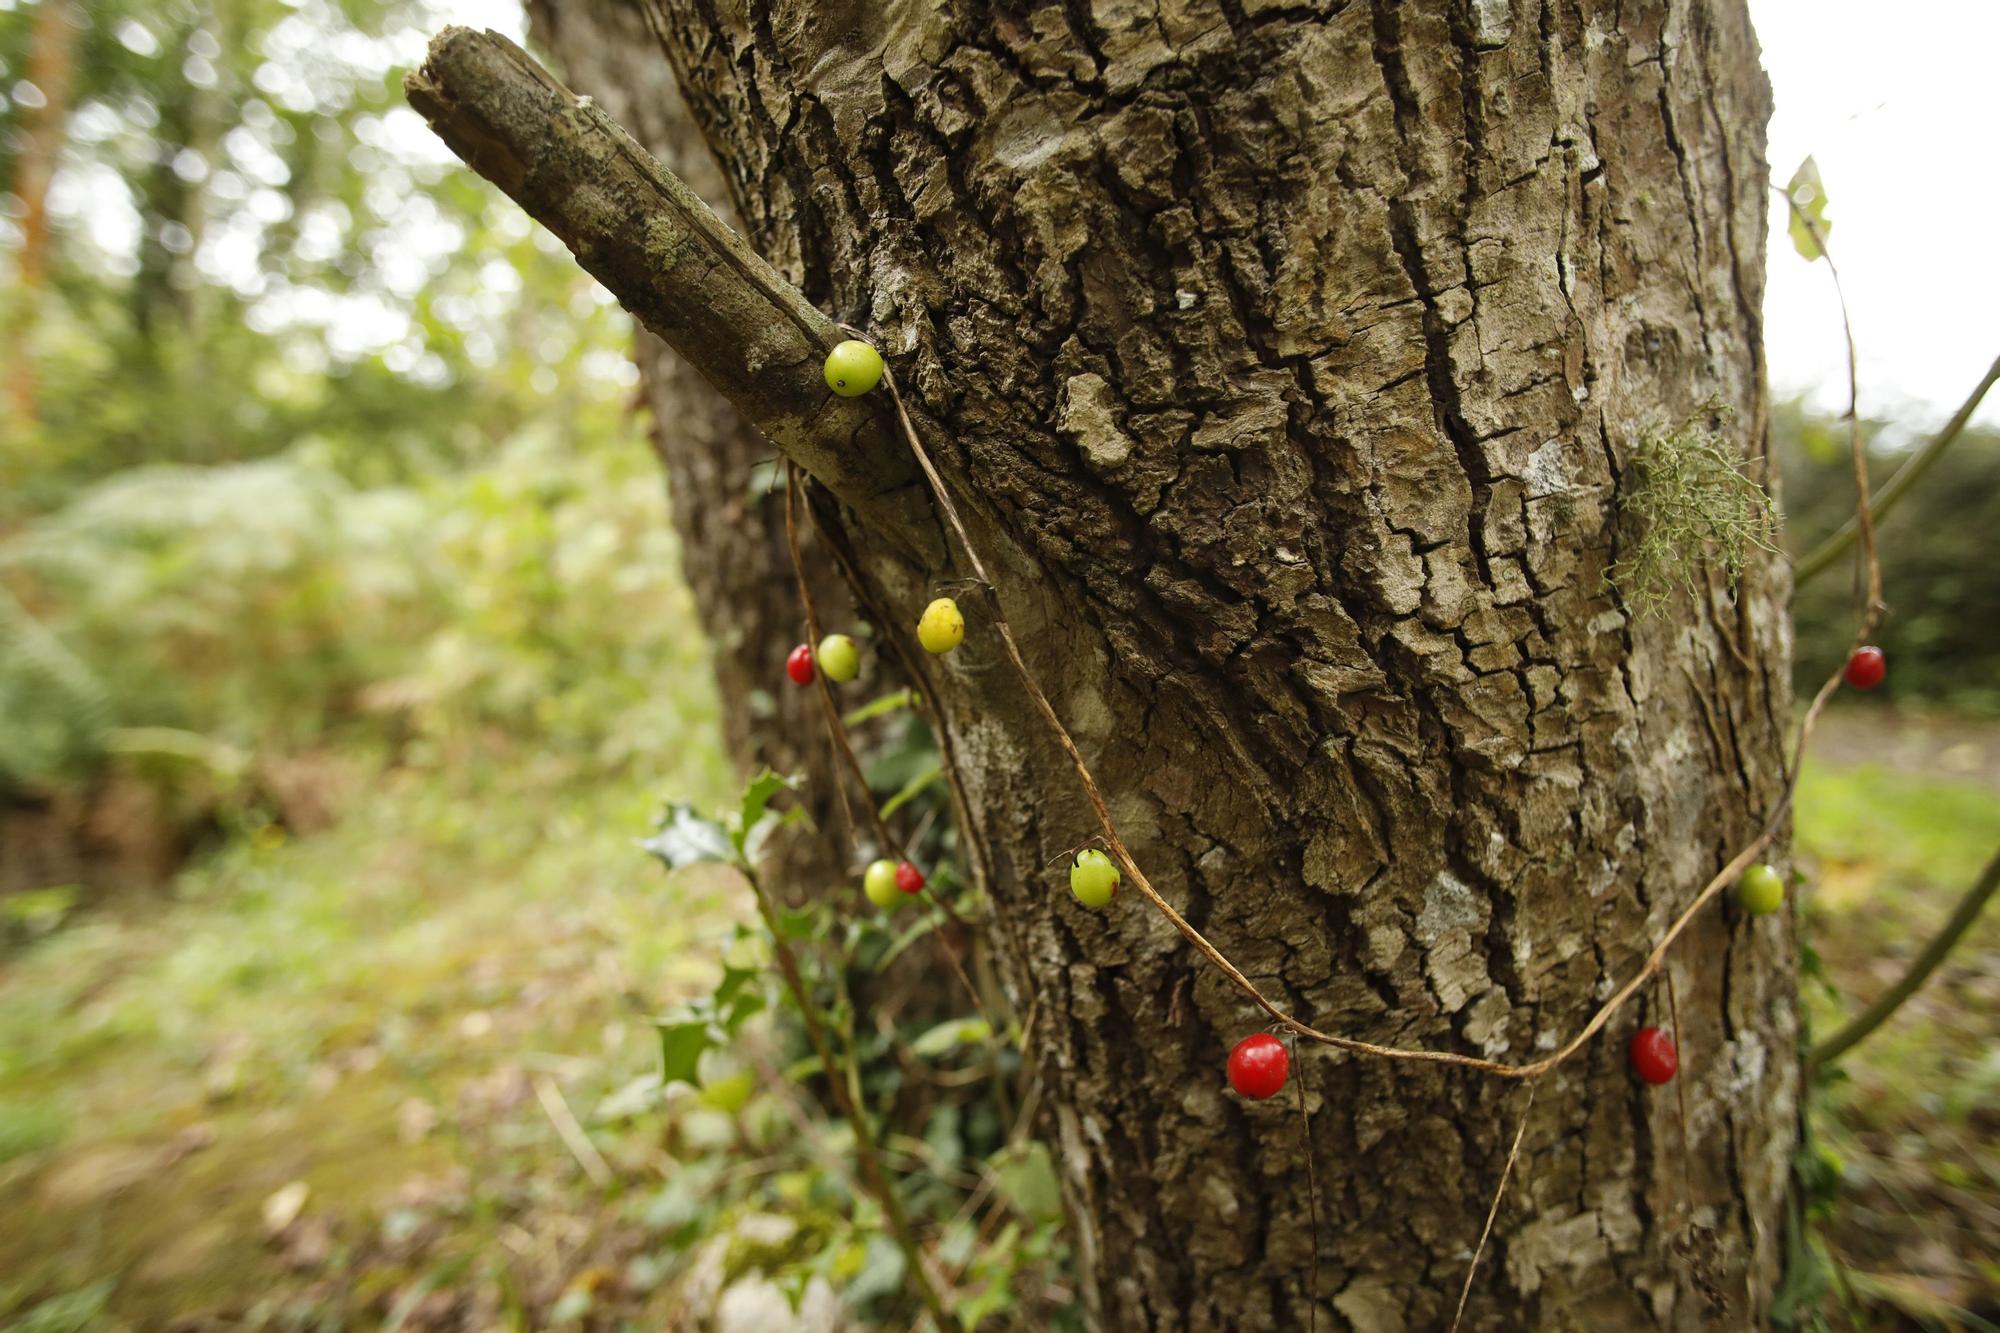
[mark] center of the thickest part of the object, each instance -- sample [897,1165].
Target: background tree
[1291,368]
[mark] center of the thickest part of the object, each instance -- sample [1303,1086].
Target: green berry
[839,658]
[942,627]
[1761,891]
[725,1084]
[1093,879]
[879,883]
[853,368]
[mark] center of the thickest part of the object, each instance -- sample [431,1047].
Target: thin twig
[1865,1022]
[1499,1193]
[1312,1185]
[1680,1096]
[837,729]
[838,733]
[571,1133]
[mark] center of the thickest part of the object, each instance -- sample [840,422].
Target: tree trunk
[1288,364]
[51,69]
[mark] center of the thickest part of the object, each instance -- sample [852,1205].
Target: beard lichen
[1690,506]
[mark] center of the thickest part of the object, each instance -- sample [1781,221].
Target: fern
[56,712]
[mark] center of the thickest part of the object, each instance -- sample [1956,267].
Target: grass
[368,1013]
[314,1086]
[1909,1116]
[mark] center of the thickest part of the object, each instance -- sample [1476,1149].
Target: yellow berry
[942,627]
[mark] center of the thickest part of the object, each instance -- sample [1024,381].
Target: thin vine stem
[1681,1099]
[794,479]
[837,1078]
[1312,1185]
[1822,556]
[883,838]
[1115,844]
[1862,1024]
[1864,514]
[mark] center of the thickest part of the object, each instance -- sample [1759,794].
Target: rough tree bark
[1288,362]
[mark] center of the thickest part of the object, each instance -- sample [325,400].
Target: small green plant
[1695,507]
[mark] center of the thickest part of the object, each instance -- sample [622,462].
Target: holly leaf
[756,800]
[684,838]
[736,1000]
[801,923]
[1808,195]
[682,1045]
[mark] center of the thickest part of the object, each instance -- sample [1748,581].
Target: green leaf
[950,1035]
[753,838]
[747,1006]
[888,703]
[1027,1180]
[1808,195]
[801,923]
[684,838]
[729,1092]
[800,1070]
[921,927]
[734,979]
[912,789]
[989,1300]
[881,1275]
[682,1045]
[756,799]
[944,1140]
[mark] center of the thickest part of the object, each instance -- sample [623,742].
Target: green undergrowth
[388,1014]
[1908,1121]
[367,1012]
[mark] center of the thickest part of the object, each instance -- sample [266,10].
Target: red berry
[1866,667]
[799,666]
[908,878]
[1258,1065]
[1653,1055]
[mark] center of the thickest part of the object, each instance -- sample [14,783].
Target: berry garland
[1259,1065]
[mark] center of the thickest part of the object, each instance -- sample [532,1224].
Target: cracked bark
[1285,361]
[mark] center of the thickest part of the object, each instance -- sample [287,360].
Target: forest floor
[396,1073]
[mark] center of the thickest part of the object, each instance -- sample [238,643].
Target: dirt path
[1940,745]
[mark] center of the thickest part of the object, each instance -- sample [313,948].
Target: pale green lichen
[1691,506]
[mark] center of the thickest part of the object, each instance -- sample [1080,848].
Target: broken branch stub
[676,266]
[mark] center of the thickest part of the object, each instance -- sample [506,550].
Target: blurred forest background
[343,658]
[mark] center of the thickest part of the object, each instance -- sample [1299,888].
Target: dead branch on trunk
[677,267]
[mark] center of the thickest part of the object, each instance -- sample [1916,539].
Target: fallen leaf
[284,1206]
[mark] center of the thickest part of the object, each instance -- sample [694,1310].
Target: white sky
[1900,105]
